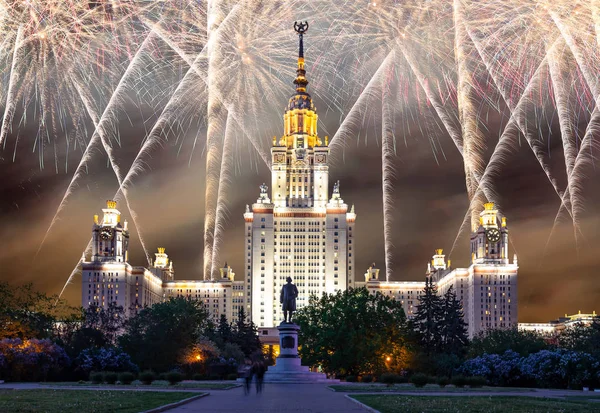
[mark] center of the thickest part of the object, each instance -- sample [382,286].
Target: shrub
[401,379]
[351,379]
[147,377]
[476,381]
[105,359]
[388,378]
[162,376]
[97,377]
[200,377]
[499,370]
[31,360]
[419,380]
[174,377]
[367,378]
[443,381]
[110,377]
[232,376]
[459,381]
[126,377]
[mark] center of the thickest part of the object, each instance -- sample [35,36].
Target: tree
[352,332]
[453,327]
[245,335]
[26,313]
[158,336]
[95,327]
[428,318]
[582,337]
[498,341]
[224,331]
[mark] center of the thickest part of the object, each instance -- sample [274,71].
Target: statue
[289,292]
[336,187]
[263,188]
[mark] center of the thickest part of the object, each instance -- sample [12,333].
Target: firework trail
[137,166]
[472,140]
[564,118]
[11,103]
[387,163]
[224,180]
[506,143]
[77,269]
[452,130]
[216,116]
[100,135]
[535,144]
[58,58]
[594,85]
[354,117]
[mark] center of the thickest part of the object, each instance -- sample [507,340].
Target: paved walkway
[311,398]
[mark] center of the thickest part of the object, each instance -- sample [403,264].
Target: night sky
[430,202]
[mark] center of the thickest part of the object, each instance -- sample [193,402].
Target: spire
[300,81]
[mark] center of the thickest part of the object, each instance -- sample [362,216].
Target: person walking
[259,370]
[245,372]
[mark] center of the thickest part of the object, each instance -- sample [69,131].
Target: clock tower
[110,239]
[489,243]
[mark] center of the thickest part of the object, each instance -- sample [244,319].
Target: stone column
[288,340]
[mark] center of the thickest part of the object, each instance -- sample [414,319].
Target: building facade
[298,231]
[555,327]
[487,289]
[108,277]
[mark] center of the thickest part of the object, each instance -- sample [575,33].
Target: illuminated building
[297,231]
[109,278]
[561,324]
[487,289]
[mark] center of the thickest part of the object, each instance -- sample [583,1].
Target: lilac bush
[499,370]
[31,360]
[546,368]
[105,359]
[543,367]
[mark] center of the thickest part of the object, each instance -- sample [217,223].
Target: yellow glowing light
[198,357]
[388,358]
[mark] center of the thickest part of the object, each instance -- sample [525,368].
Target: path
[311,398]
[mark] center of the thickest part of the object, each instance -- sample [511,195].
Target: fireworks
[436,68]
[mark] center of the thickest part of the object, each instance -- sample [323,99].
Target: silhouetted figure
[289,292]
[259,368]
[245,372]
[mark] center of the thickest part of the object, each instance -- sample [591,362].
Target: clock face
[493,235]
[106,233]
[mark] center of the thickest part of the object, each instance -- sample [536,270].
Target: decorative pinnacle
[301,82]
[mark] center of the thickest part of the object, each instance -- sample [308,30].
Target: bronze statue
[289,292]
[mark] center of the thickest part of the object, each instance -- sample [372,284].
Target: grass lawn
[200,385]
[77,401]
[472,404]
[374,387]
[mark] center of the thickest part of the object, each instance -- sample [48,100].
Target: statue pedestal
[288,367]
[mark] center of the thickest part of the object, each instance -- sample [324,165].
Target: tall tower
[110,239]
[492,279]
[297,231]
